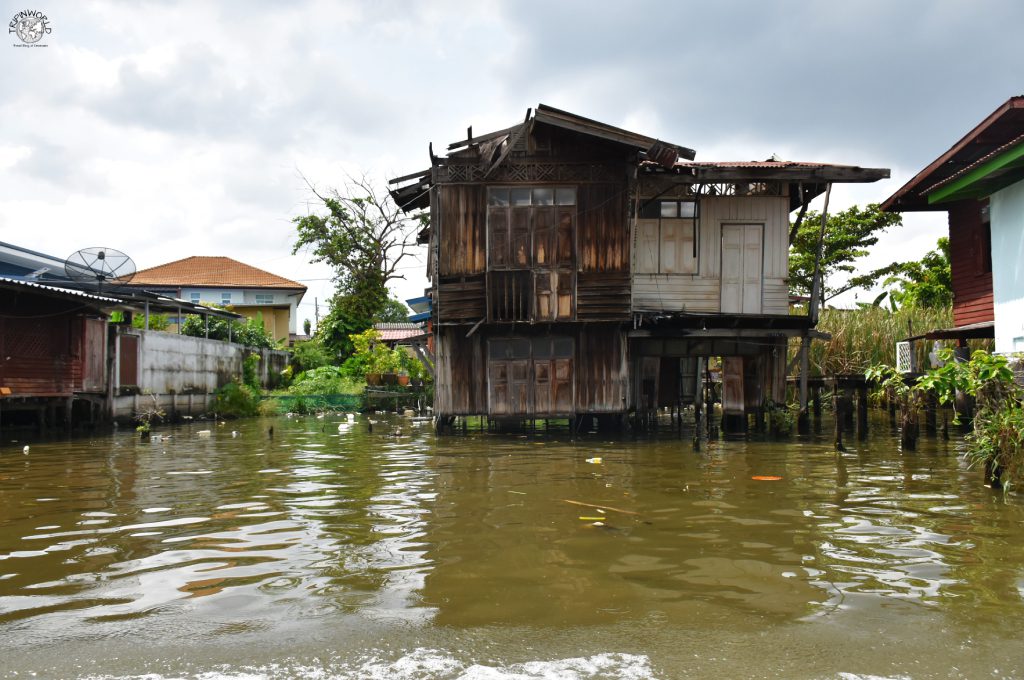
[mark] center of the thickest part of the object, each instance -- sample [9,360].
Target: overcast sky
[170,129]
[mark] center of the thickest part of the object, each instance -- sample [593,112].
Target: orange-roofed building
[229,283]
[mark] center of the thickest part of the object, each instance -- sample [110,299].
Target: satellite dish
[99,267]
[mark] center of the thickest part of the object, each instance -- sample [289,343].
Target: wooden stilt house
[579,269]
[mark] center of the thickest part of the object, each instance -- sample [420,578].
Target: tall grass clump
[867,337]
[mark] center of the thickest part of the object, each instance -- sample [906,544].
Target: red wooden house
[946,184]
[53,350]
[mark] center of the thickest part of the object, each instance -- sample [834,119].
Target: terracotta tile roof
[221,272]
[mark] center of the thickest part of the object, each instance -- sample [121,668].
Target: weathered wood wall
[531,375]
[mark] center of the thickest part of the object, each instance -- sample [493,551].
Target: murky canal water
[348,554]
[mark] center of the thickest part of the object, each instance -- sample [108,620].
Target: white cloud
[181,128]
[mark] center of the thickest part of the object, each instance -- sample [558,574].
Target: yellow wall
[275,320]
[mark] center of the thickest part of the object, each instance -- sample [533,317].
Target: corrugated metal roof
[758,164]
[62,291]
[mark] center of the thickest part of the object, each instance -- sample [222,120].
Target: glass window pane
[565,195]
[650,210]
[520,196]
[543,196]
[563,348]
[542,348]
[497,197]
[688,209]
[520,348]
[669,209]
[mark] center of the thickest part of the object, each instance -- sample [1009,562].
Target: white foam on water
[432,664]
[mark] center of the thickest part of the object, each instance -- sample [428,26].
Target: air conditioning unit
[904,357]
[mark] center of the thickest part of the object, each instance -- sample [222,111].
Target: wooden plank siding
[460,374]
[463,230]
[702,292]
[601,369]
[971,265]
[603,248]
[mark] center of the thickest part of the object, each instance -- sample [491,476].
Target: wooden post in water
[837,406]
[862,412]
[699,413]
[930,407]
[709,402]
[802,424]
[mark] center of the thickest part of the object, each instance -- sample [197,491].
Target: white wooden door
[742,268]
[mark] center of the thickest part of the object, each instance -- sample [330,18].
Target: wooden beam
[799,218]
[817,283]
[828,174]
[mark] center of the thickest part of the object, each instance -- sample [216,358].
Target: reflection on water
[374,555]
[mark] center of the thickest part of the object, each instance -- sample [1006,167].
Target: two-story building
[225,282]
[579,269]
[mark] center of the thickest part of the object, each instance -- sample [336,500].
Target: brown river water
[340,553]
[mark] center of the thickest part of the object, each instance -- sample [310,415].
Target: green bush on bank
[996,441]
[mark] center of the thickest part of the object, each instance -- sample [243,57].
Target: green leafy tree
[394,311]
[927,282]
[848,236]
[364,237]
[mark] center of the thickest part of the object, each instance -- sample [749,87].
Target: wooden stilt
[930,414]
[837,405]
[862,412]
[803,425]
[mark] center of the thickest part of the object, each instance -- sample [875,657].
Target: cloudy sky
[169,129]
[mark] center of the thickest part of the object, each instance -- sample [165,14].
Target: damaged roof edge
[571,121]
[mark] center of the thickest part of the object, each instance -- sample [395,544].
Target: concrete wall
[179,373]
[1006,210]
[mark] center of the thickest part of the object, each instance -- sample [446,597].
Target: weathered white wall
[1006,211]
[702,292]
[178,373]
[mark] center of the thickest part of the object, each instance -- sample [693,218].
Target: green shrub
[236,401]
[249,332]
[308,355]
[325,380]
[251,371]
[997,439]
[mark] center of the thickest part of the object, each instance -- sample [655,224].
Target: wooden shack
[53,351]
[579,269]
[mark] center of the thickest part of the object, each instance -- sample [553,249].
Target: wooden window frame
[518,243]
[670,212]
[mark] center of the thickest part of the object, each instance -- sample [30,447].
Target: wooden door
[94,357]
[508,377]
[128,364]
[742,268]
